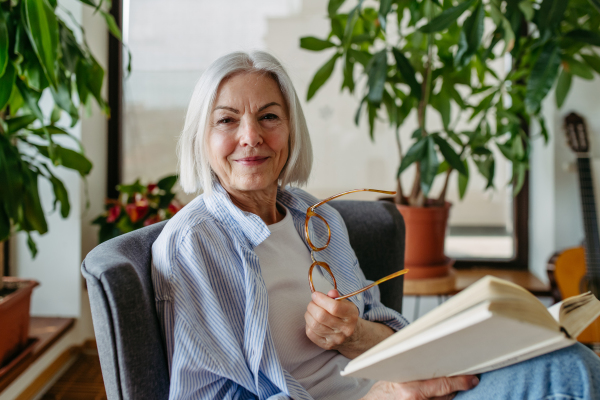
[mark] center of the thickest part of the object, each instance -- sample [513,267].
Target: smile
[251,161]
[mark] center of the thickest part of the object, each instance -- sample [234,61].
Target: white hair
[195,172]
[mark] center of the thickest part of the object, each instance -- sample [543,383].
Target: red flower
[152,220]
[151,187]
[174,207]
[113,214]
[137,210]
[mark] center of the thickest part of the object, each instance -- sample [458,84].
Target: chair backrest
[132,354]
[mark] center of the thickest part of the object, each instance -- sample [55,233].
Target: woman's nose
[250,133]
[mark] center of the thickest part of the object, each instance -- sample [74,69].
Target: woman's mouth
[251,161]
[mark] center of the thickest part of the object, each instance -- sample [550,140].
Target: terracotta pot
[14,317]
[425,237]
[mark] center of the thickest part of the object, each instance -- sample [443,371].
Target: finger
[343,326]
[343,309]
[333,293]
[315,325]
[445,386]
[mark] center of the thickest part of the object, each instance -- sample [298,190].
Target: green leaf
[377,75]
[321,76]
[4,225]
[463,181]
[584,36]
[596,4]
[334,6]
[348,74]
[33,213]
[592,60]
[450,155]
[362,57]
[470,36]
[56,113]
[542,77]
[447,17]
[62,97]
[441,102]
[31,98]
[483,105]
[562,87]
[551,13]
[358,111]
[384,9]
[415,153]
[7,81]
[42,28]
[408,73]
[14,124]
[32,246]
[526,8]
[111,24]
[167,183]
[429,166]
[3,44]
[519,170]
[578,68]
[60,194]
[69,159]
[315,44]
[350,23]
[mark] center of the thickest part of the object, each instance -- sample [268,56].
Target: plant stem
[399,198]
[442,199]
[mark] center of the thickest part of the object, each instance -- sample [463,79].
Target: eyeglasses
[311,213]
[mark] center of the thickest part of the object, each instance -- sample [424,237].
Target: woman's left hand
[335,325]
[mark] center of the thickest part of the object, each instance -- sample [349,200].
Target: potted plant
[138,206]
[420,56]
[39,53]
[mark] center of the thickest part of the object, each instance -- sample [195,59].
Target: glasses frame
[310,213]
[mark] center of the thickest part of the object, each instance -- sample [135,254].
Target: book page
[576,313]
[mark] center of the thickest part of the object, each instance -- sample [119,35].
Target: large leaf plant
[41,54]
[417,56]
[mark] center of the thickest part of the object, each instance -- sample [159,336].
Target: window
[172,45]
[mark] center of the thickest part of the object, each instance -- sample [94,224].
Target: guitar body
[569,271]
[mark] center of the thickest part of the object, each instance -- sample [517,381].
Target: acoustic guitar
[577,270]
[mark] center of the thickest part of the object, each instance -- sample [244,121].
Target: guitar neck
[590,220]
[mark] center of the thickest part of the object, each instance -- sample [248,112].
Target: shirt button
[359,296]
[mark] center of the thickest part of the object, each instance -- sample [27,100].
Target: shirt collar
[252,226]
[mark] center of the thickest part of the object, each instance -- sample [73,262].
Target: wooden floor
[82,381]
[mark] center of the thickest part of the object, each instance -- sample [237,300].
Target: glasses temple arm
[348,192]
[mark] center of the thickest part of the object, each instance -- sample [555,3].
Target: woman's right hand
[438,388]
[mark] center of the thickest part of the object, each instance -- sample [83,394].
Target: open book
[491,324]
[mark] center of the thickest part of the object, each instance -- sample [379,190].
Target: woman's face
[248,133]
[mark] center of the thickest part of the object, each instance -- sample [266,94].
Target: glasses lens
[319,234]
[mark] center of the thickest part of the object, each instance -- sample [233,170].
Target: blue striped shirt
[212,301]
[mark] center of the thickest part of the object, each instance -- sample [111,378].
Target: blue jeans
[572,373]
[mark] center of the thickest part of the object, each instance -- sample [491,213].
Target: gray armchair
[132,355]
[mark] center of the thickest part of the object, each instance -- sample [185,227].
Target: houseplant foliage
[138,206]
[40,54]
[434,56]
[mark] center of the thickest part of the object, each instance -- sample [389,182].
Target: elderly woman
[230,269]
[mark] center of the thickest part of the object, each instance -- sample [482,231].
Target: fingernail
[475,381]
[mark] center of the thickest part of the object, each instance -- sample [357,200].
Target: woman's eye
[270,116]
[224,121]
